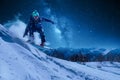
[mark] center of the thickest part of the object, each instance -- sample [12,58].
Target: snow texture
[23,61]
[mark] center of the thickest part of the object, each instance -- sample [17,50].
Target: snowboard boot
[42,44]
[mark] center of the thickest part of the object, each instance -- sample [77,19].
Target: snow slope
[22,61]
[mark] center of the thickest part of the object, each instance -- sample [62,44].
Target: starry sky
[91,23]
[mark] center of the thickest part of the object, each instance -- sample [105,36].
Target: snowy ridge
[85,54]
[22,61]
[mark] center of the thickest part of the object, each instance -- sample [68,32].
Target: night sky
[91,23]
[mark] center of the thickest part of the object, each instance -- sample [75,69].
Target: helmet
[35,13]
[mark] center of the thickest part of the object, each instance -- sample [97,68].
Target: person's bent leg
[31,37]
[42,36]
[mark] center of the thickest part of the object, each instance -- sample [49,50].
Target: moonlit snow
[22,61]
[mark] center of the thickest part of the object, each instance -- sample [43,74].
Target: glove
[24,35]
[52,22]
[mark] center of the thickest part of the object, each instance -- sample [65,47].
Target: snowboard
[40,47]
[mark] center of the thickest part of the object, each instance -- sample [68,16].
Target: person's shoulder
[40,18]
[31,17]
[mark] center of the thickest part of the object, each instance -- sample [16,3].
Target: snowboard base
[40,47]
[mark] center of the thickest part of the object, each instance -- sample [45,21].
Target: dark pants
[38,28]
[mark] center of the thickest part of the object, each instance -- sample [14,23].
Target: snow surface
[22,61]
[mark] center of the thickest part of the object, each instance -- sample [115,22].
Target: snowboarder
[34,25]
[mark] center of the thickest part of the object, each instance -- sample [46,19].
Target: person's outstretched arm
[27,28]
[47,20]
[26,31]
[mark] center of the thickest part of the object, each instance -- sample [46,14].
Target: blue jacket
[35,24]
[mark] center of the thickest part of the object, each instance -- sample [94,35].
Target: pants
[38,29]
